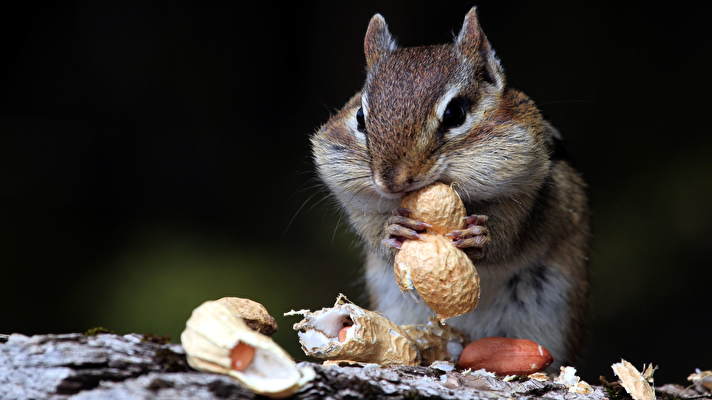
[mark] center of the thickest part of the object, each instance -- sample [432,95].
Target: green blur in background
[154,283]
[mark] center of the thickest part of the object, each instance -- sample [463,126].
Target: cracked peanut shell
[349,332]
[253,314]
[216,339]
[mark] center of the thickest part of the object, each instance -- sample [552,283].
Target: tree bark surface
[109,366]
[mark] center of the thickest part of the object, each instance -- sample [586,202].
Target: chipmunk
[444,113]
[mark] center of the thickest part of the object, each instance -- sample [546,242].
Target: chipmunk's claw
[401,231]
[476,219]
[475,236]
[399,227]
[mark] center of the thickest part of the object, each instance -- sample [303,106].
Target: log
[133,366]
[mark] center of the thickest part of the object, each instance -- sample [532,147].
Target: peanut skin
[343,332]
[241,356]
[505,356]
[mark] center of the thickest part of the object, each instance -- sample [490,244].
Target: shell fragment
[216,339]
[349,332]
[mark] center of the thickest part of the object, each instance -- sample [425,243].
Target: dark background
[153,157]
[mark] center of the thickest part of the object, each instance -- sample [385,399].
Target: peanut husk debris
[217,339]
[635,383]
[436,342]
[443,275]
[702,378]
[349,332]
[567,377]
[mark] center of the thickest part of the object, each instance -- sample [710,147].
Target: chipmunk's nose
[393,180]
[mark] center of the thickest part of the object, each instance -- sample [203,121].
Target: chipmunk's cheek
[340,138]
[360,137]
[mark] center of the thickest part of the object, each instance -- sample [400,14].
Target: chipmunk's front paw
[474,237]
[401,227]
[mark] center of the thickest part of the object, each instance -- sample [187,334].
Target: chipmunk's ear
[472,44]
[378,41]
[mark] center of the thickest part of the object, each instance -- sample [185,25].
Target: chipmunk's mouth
[388,195]
[413,186]
[433,175]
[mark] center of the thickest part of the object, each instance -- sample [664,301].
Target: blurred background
[156,156]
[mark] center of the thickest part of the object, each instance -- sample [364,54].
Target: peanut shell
[370,338]
[437,204]
[442,274]
[214,332]
[253,314]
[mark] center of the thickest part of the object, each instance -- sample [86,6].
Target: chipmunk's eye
[361,123]
[455,113]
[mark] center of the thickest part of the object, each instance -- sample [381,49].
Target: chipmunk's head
[434,113]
